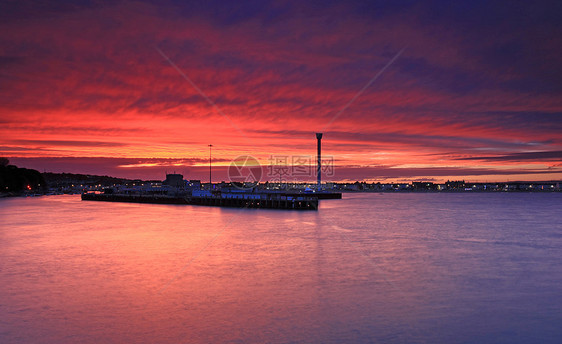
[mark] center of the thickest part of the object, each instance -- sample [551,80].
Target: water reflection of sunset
[404,267]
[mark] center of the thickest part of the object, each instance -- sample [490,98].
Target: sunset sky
[402,90]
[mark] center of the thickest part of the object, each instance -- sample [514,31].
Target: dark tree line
[16,180]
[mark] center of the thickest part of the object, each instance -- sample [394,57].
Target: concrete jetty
[218,199]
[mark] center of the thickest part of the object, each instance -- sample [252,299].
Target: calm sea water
[424,268]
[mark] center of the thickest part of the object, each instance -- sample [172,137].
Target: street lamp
[210,180]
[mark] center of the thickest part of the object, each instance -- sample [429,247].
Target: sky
[402,90]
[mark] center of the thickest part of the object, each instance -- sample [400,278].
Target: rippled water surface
[425,268]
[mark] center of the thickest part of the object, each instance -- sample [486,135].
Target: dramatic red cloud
[83,87]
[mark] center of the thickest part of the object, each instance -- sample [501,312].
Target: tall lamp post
[210,180]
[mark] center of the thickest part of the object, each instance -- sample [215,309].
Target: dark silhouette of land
[15,180]
[63,180]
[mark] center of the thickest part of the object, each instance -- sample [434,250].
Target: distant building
[194,184]
[424,186]
[455,185]
[174,180]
